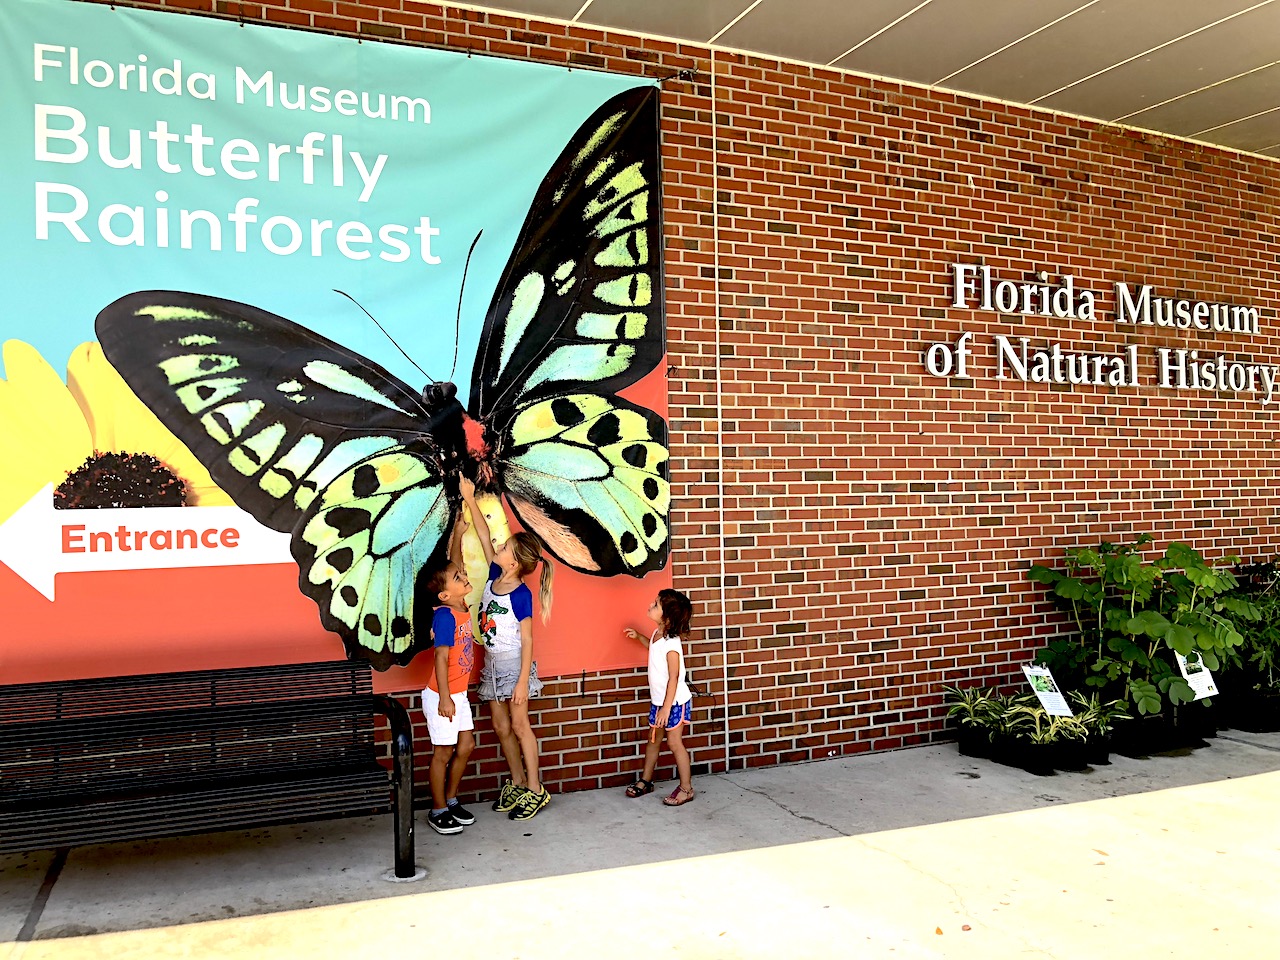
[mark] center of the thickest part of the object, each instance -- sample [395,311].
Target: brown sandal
[679,796]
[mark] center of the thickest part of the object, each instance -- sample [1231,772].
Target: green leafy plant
[1042,727]
[1259,584]
[986,711]
[974,707]
[1018,716]
[1131,616]
[1098,716]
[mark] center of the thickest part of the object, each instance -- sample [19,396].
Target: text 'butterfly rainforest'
[362,470]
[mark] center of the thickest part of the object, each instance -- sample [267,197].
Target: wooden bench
[160,755]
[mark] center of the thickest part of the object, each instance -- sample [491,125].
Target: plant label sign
[1198,676]
[1047,692]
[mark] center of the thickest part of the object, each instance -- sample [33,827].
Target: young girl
[669,696]
[510,675]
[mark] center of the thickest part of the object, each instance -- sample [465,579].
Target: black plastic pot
[1180,729]
[1041,759]
[1196,721]
[1144,735]
[973,742]
[1255,711]
[1097,750]
[1072,755]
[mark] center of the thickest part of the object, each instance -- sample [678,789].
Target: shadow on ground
[133,886]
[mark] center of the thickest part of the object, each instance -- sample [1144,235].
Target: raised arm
[468,491]
[455,543]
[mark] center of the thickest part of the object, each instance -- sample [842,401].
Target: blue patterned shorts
[679,712]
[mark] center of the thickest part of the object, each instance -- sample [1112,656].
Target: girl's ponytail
[544,588]
[527,549]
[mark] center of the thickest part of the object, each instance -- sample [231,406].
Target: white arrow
[39,542]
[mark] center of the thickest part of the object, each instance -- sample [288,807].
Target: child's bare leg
[676,742]
[651,750]
[507,738]
[438,772]
[523,732]
[458,765]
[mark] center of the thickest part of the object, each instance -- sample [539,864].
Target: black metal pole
[402,785]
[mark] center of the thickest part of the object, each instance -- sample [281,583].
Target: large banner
[269,297]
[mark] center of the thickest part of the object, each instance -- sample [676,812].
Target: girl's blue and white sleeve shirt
[501,613]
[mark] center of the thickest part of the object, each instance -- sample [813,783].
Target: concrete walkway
[919,853]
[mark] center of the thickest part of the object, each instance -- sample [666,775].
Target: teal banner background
[495,127]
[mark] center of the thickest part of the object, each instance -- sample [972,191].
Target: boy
[444,701]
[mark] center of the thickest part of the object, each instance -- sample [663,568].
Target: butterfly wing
[576,317]
[306,436]
[364,544]
[589,474]
[273,410]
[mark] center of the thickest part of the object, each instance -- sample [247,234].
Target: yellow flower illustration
[49,430]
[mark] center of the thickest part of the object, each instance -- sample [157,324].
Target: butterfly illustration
[314,439]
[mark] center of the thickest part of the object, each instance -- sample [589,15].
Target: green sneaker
[508,796]
[529,804]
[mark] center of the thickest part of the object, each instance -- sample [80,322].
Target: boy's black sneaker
[444,822]
[462,814]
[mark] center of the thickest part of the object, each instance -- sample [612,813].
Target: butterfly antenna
[384,333]
[457,325]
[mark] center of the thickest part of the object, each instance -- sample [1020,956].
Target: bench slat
[162,723]
[210,809]
[100,696]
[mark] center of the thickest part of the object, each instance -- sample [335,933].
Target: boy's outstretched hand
[467,488]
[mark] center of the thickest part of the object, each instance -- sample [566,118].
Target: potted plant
[1015,730]
[972,711]
[1130,617]
[1042,743]
[1007,729]
[1252,688]
[1098,717]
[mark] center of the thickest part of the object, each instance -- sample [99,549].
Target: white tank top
[658,675]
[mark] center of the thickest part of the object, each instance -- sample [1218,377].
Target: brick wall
[854,531]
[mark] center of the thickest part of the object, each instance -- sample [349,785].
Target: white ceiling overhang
[1206,70]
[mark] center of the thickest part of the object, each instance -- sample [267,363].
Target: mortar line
[42,897]
[1250,743]
[716,306]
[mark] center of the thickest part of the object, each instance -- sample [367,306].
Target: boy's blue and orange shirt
[452,628]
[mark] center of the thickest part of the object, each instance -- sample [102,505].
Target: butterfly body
[312,438]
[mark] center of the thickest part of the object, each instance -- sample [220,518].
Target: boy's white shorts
[445,732]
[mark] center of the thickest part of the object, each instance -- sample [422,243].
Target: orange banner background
[158,621]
